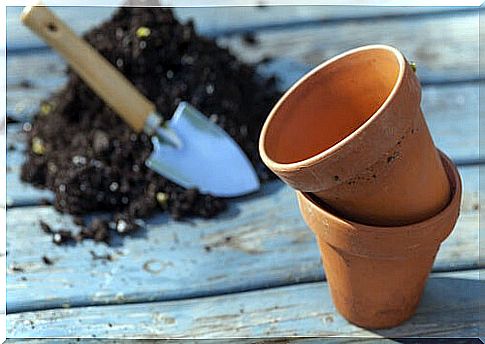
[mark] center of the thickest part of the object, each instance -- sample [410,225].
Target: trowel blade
[208,159]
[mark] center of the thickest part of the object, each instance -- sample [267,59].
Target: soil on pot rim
[92,161]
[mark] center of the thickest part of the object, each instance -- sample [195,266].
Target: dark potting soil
[92,161]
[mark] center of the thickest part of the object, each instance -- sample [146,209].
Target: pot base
[384,301]
[377,274]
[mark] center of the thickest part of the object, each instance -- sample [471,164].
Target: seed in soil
[143,32]
[38,146]
[45,108]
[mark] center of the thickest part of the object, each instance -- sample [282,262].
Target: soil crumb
[47,261]
[250,38]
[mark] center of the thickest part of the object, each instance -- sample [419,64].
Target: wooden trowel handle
[94,69]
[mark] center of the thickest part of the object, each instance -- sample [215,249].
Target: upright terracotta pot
[377,274]
[352,133]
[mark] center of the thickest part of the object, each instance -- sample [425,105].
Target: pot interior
[330,104]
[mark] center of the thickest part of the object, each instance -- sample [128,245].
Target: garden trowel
[189,149]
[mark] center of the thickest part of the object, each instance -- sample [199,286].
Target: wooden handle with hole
[94,69]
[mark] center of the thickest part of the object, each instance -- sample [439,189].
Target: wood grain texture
[447,52]
[444,48]
[45,74]
[211,20]
[260,242]
[446,310]
[19,193]
[272,340]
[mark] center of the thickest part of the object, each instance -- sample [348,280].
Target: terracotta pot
[377,274]
[352,132]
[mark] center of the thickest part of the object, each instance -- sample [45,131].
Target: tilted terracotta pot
[377,274]
[352,133]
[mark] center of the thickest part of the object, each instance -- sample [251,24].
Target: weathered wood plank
[219,20]
[447,51]
[449,308]
[451,112]
[19,193]
[44,72]
[261,241]
[453,118]
[273,340]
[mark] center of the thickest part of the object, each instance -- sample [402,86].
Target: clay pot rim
[455,199]
[313,160]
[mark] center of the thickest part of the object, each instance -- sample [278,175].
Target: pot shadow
[450,307]
[117,240]
[164,218]
[266,189]
[437,340]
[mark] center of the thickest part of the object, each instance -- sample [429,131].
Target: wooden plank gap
[445,310]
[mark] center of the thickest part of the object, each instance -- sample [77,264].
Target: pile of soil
[92,161]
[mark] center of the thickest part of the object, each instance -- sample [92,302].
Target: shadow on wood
[452,301]
[449,308]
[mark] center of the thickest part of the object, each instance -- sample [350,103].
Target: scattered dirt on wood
[250,38]
[11,120]
[47,261]
[45,227]
[15,268]
[98,230]
[26,84]
[92,161]
[266,59]
[62,236]
[105,257]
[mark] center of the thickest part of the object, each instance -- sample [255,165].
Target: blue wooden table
[267,279]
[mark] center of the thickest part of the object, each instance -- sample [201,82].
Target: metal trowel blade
[206,158]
